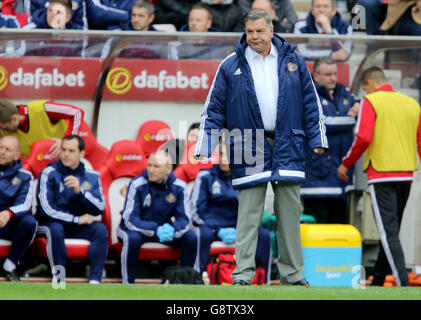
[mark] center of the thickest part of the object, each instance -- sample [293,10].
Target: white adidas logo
[237,72]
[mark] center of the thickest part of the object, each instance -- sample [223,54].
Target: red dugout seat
[189,167]
[152,134]
[39,157]
[95,153]
[125,161]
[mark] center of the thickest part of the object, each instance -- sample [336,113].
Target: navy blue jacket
[8,21]
[232,104]
[39,15]
[214,202]
[108,14]
[318,49]
[56,202]
[309,25]
[16,189]
[321,177]
[149,205]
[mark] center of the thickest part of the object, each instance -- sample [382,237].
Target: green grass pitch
[83,291]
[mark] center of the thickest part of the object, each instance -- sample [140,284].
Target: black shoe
[240,283]
[12,276]
[301,282]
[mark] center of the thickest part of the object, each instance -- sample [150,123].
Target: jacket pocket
[297,144]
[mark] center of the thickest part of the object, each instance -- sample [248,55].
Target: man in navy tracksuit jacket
[324,18]
[264,151]
[214,205]
[155,210]
[16,193]
[323,193]
[69,196]
[108,14]
[38,15]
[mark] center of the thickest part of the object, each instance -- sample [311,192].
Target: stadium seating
[39,157]
[5,248]
[152,134]
[95,153]
[125,161]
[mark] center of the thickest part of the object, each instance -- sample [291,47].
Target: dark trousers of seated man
[96,233]
[263,250]
[20,230]
[133,240]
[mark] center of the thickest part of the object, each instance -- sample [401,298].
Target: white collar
[253,54]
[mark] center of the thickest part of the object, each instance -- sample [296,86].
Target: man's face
[11,125]
[70,154]
[223,159]
[326,75]
[323,7]
[263,5]
[141,19]
[158,167]
[259,36]
[58,15]
[9,150]
[199,20]
[192,135]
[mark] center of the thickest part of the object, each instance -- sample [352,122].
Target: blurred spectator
[403,18]
[323,18]
[175,12]
[323,193]
[17,8]
[226,15]
[108,14]
[200,19]
[282,12]
[141,17]
[7,21]
[375,13]
[58,14]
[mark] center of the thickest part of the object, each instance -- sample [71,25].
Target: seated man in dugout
[16,193]
[155,210]
[69,197]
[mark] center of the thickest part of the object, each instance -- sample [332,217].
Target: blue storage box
[331,254]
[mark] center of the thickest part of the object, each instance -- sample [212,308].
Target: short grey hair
[254,15]
[319,61]
[145,4]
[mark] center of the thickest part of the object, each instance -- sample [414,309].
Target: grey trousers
[287,209]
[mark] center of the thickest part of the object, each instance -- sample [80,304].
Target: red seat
[5,246]
[95,153]
[39,157]
[152,134]
[125,161]
[189,167]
